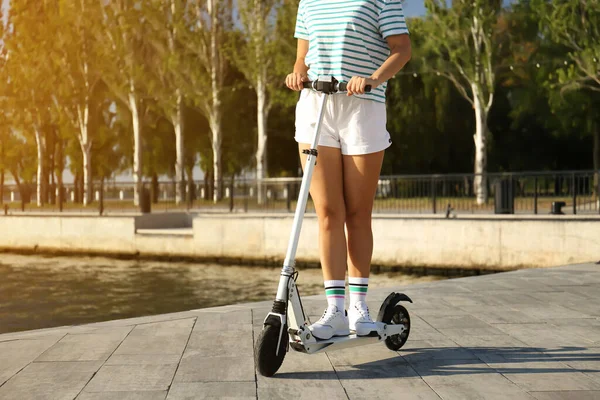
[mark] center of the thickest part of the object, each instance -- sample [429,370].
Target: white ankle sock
[336,293]
[358,289]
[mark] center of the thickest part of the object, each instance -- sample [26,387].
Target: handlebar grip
[343,85]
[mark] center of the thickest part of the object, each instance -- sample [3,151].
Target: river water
[42,291]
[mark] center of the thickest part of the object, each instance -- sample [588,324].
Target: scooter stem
[311,160]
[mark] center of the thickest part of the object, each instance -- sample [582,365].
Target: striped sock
[358,289]
[336,293]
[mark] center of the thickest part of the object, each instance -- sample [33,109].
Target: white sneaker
[333,323]
[359,319]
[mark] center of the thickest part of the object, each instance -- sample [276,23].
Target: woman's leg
[361,176]
[326,190]
[327,193]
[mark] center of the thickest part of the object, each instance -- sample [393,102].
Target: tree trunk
[215,118]
[216,148]
[137,145]
[41,155]
[1,186]
[155,188]
[59,175]
[76,198]
[2,160]
[596,133]
[87,175]
[261,153]
[179,169]
[480,138]
[20,188]
[191,193]
[83,117]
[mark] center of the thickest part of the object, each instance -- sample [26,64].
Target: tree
[575,25]
[461,38]
[205,67]
[76,50]
[124,28]
[169,76]
[31,81]
[258,57]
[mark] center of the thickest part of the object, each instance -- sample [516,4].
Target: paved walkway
[529,334]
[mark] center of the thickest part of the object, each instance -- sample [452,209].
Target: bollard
[251,192]
[226,193]
[202,193]
[97,195]
[72,196]
[12,197]
[121,195]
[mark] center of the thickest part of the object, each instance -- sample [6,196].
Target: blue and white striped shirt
[347,37]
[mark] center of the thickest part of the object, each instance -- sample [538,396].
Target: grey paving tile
[584,360]
[306,376]
[588,328]
[197,368]
[49,381]
[216,343]
[218,321]
[455,321]
[415,351]
[42,334]
[549,311]
[543,335]
[157,345]
[136,359]
[392,389]
[492,343]
[363,354]
[160,395]
[498,315]
[17,354]
[164,328]
[331,390]
[85,346]
[131,378]
[567,395]
[544,375]
[300,369]
[468,380]
[212,390]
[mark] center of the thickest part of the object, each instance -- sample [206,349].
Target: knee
[331,218]
[358,219]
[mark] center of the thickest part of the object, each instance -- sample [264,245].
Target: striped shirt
[347,37]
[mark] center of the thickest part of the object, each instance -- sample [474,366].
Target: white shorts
[354,125]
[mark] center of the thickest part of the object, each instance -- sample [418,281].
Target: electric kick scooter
[286,325]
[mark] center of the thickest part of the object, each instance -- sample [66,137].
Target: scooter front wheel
[266,357]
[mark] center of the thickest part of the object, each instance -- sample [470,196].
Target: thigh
[326,188]
[361,177]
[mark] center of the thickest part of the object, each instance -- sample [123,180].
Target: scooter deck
[341,342]
[335,343]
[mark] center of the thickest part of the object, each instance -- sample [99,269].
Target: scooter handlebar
[339,87]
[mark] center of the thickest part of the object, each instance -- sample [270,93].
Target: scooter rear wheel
[265,357]
[398,315]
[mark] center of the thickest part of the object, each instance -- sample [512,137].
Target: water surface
[42,291]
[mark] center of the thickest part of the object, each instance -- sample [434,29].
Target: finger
[299,85]
[360,87]
[349,87]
